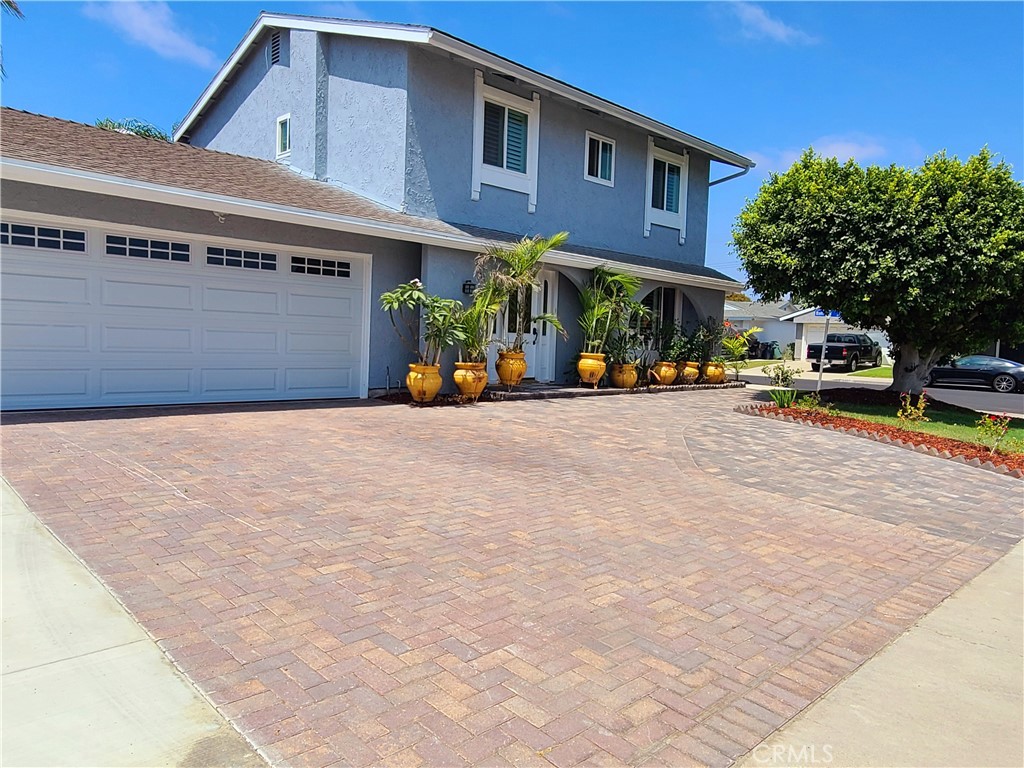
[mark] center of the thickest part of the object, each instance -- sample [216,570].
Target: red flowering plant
[992,429]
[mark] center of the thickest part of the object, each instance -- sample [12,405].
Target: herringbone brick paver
[647,580]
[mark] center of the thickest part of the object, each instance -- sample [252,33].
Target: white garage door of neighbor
[96,316]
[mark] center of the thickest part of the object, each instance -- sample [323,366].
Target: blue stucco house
[327,161]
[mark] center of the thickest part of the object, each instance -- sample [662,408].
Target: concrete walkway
[947,693]
[82,684]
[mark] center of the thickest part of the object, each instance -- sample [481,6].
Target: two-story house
[328,161]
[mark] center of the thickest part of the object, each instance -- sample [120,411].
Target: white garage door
[96,316]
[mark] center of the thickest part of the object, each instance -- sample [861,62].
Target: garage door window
[235,257]
[324,267]
[29,236]
[144,248]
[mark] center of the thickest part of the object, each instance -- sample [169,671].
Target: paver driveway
[650,580]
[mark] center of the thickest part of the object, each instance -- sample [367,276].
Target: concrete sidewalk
[82,684]
[946,693]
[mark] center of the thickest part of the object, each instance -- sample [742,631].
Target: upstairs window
[284,136]
[505,132]
[600,166]
[665,186]
[505,141]
[667,174]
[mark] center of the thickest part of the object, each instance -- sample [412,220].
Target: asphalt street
[976,398]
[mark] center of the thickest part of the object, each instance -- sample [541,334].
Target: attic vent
[275,47]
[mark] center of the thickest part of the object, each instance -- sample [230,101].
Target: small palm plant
[607,300]
[737,347]
[476,322]
[513,272]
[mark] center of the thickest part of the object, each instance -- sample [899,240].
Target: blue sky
[881,82]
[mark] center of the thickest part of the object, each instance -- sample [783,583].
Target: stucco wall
[393,261]
[440,165]
[366,116]
[243,119]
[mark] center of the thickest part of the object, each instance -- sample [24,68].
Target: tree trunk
[911,367]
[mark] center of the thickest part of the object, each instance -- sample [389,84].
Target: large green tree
[933,256]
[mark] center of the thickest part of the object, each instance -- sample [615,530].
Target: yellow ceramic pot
[511,367]
[714,373]
[623,375]
[423,381]
[690,371]
[471,379]
[591,367]
[663,373]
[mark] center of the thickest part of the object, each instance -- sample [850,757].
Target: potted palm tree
[427,325]
[476,322]
[626,345]
[607,301]
[513,272]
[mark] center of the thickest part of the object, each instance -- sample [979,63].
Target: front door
[545,301]
[539,339]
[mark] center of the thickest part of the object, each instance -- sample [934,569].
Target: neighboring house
[810,329]
[362,155]
[765,315]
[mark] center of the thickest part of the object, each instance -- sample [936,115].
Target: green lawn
[881,372]
[956,424]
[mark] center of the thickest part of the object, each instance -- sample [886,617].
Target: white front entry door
[539,339]
[545,301]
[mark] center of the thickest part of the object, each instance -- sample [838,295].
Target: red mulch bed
[955,447]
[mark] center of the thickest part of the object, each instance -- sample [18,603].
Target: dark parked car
[847,350]
[981,371]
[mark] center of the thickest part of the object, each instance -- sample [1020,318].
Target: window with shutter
[515,153]
[666,190]
[494,134]
[505,141]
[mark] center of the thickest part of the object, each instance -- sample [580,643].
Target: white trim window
[599,159]
[506,131]
[283,137]
[667,177]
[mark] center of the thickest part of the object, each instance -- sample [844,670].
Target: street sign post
[824,342]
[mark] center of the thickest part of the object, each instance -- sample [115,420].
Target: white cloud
[861,148]
[343,10]
[152,24]
[756,23]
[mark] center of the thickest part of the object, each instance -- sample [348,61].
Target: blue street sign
[822,313]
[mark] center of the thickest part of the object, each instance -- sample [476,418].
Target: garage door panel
[20,288]
[144,294]
[29,336]
[237,341]
[318,305]
[304,380]
[301,342]
[125,338]
[46,383]
[239,380]
[236,300]
[162,381]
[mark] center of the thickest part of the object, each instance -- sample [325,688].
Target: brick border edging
[502,396]
[999,469]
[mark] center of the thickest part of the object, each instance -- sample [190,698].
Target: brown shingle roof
[52,141]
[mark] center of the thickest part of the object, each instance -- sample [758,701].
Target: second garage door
[96,315]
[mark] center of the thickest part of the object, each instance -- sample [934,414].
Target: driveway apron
[643,580]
